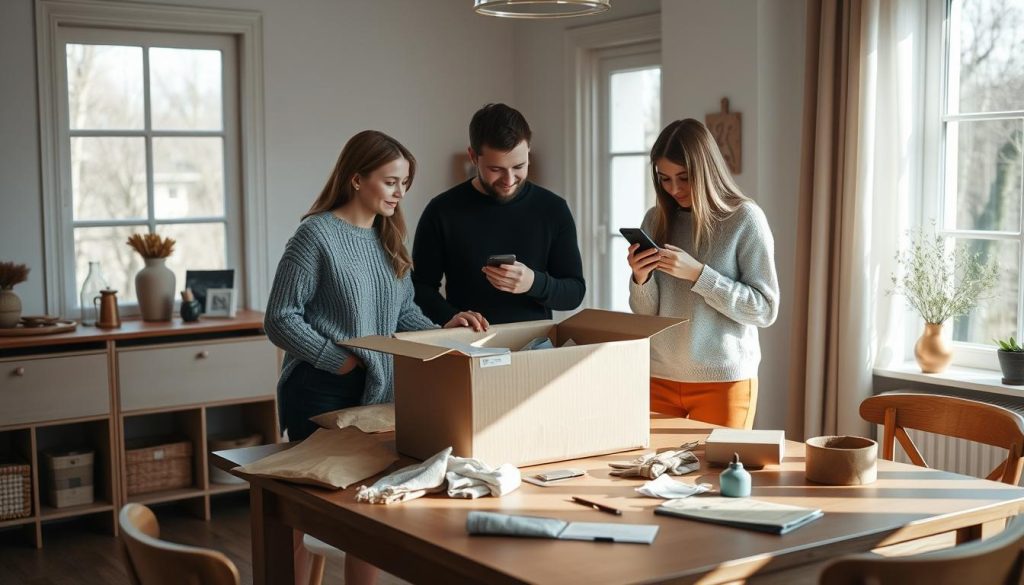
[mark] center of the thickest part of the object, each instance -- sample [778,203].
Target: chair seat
[319,547]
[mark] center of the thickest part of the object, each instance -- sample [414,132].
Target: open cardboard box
[525,407]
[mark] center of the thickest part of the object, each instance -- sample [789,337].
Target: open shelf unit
[96,389]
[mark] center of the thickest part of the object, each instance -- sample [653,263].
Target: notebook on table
[741,513]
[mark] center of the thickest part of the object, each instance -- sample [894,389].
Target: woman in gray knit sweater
[715,265]
[345,274]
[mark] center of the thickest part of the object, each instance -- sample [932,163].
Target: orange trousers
[730,404]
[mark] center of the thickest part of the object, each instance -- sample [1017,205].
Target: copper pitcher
[106,308]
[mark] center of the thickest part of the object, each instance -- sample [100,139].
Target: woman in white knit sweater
[715,266]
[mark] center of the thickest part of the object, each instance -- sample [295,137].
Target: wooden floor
[74,553]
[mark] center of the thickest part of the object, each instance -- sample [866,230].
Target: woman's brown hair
[714,194]
[364,153]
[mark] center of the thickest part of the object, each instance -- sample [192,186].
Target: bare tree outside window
[146,154]
[984,129]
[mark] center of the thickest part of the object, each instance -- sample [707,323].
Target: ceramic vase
[154,287]
[10,308]
[931,351]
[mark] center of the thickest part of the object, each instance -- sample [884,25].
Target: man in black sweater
[497,212]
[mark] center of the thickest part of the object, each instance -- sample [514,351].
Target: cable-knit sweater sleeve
[411,317]
[753,298]
[295,283]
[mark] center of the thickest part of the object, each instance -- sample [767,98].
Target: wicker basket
[15,491]
[166,465]
[221,443]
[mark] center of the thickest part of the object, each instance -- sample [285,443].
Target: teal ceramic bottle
[734,482]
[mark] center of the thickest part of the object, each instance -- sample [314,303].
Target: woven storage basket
[221,443]
[163,466]
[15,491]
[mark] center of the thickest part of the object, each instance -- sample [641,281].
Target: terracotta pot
[10,308]
[931,351]
[154,287]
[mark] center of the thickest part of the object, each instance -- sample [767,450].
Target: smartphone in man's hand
[638,236]
[501,259]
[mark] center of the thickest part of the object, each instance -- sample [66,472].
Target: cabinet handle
[19,371]
[203,355]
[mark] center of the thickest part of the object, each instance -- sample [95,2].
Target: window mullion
[148,128]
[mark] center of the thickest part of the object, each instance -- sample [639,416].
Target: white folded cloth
[670,489]
[465,478]
[408,483]
[471,478]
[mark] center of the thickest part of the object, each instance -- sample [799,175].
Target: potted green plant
[1011,361]
[939,281]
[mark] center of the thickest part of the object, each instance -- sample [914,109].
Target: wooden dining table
[425,540]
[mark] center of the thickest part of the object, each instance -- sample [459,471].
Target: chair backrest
[996,561]
[950,416]
[152,561]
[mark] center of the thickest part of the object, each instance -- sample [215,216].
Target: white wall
[752,53]
[412,68]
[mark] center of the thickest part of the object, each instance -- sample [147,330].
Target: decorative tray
[39,325]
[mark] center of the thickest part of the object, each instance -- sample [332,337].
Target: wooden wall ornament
[725,127]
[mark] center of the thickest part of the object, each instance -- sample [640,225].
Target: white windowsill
[954,377]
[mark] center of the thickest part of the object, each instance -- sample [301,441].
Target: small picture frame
[202,280]
[220,302]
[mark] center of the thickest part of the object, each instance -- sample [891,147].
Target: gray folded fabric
[650,466]
[509,525]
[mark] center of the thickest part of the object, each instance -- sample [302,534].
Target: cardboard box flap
[402,347]
[623,325]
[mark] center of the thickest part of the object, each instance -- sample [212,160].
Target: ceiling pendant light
[540,8]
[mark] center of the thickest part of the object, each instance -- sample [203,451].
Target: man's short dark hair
[499,127]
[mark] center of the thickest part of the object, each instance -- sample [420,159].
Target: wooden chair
[952,417]
[998,560]
[151,561]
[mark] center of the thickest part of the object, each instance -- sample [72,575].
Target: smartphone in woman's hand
[640,237]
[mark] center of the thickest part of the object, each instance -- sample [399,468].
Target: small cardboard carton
[588,395]
[755,448]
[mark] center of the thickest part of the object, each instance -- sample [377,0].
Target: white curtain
[861,173]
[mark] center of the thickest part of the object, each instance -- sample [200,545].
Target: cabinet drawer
[51,388]
[176,375]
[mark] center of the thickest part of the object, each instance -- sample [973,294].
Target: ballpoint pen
[596,506]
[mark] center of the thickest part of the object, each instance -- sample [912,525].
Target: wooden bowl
[842,460]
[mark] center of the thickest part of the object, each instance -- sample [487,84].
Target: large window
[149,145]
[983,134]
[629,109]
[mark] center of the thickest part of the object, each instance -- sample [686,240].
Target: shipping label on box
[588,395]
[755,448]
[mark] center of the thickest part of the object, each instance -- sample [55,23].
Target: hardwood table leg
[272,540]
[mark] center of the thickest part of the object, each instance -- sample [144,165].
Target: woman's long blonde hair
[715,196]
[364,153]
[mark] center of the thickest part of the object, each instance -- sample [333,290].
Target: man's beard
[497,195]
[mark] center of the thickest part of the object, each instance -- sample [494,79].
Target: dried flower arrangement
[940,281]
[151,245]
[11,274]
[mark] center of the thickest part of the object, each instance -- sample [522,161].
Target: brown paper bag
[330,458]
[373,418]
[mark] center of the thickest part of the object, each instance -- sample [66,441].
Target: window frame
[231,218]
[633,57]
[582,46]
[52,18]
[941,176]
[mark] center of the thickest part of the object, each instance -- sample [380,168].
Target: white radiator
[949,454]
